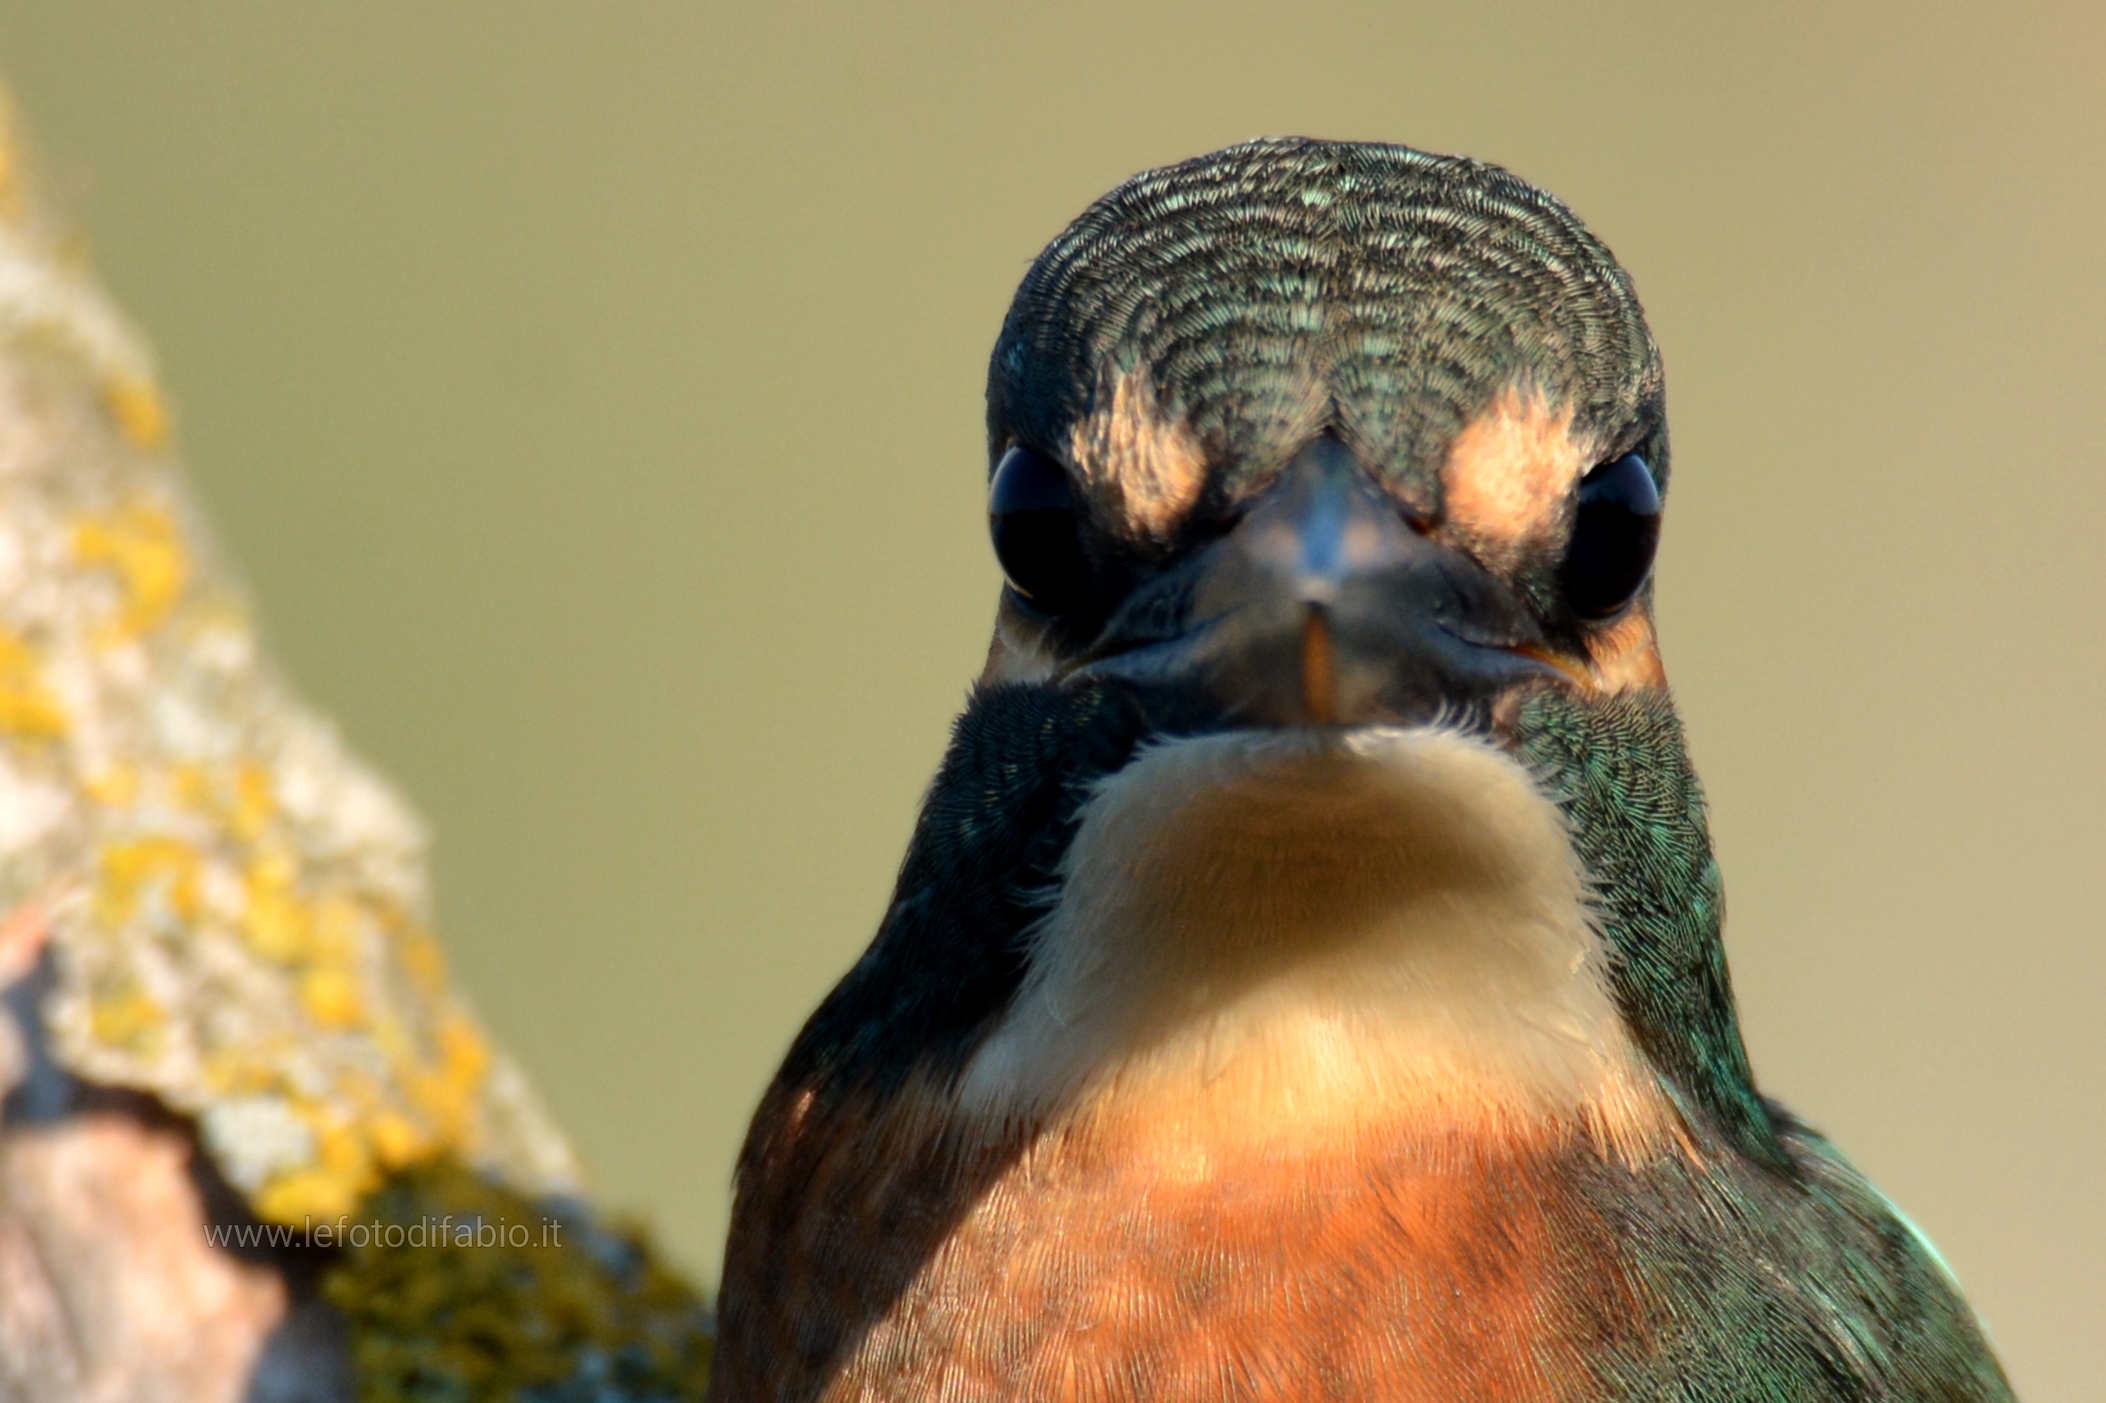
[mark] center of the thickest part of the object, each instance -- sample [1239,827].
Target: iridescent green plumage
[1780,1272]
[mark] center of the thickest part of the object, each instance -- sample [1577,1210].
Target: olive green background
[591,395]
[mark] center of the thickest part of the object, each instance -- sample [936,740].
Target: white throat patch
[1273,934]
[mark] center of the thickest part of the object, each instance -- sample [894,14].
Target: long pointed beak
[1325,606]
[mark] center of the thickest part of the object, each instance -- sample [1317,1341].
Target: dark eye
[1031,515]
[1613,538]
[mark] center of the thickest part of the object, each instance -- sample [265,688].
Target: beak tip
[1319,668]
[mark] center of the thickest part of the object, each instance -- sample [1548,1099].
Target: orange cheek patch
[1627,654]
[1623,657]
[1509,473]
[1149,467]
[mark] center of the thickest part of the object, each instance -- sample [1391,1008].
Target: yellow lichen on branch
[236,906]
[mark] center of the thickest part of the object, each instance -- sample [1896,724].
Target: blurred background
[591,395]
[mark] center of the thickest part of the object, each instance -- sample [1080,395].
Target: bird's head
[1315,433]
[1326,478]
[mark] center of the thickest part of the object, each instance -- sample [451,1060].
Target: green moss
[459,1291]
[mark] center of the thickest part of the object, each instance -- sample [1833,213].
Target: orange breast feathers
[1104,1261]
[1314,1055]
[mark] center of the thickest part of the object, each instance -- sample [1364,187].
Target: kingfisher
[1305,979]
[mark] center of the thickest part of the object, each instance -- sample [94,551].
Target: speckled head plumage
[1281,287]
[1197,328]
[1315,904]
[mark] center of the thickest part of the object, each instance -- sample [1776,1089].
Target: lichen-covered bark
[220,1003]
[234,905]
